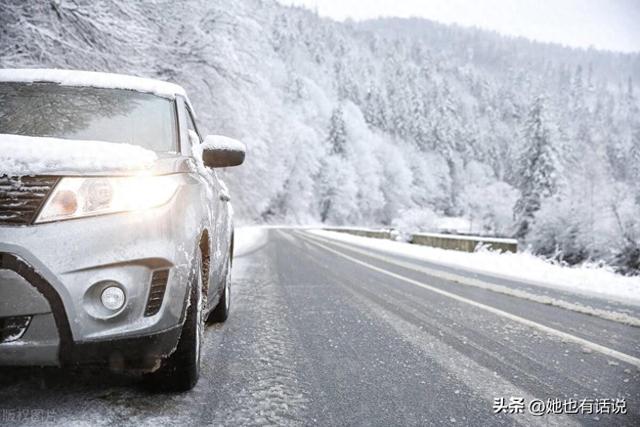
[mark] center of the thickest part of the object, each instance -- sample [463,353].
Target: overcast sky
[604,24]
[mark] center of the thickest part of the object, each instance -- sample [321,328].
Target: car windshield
[87,113]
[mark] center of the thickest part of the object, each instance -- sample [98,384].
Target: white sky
[604,24]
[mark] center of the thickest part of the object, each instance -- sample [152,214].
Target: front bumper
[68,262]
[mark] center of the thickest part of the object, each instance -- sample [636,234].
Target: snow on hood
[28,155]
[92,79]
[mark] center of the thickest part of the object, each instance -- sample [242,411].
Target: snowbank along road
[330,333]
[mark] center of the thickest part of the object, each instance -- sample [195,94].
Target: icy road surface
[323,334]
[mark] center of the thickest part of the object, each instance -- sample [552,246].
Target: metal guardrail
[464,243]
[443,241]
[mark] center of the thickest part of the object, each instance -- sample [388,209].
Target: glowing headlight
[76,197]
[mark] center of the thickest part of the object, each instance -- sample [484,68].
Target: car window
[191,124]
[87,113]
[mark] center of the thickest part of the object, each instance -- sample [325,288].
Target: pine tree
[375,109]
[332,183]
[634,160]
[577,90]
[325,189]
[537,168]
[337,132]
[419,131]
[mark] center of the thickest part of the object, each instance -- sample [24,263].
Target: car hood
[26,155]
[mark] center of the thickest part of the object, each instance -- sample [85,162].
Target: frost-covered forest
[389,122]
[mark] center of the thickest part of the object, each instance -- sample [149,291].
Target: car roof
[92,79]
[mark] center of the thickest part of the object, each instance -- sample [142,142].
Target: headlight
[76,197]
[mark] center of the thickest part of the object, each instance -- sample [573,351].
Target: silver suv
[116,236]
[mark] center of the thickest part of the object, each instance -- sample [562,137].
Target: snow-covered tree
[337,133]
[634,160]
[538,172]
[374,122]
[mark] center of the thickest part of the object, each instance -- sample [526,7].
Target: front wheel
[181,370]
[221,312]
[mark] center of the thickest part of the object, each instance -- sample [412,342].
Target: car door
[226,220]
[219,217]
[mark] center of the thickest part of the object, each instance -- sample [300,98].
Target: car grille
[22,197]
[156,293]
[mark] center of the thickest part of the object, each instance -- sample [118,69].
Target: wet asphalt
[319,337]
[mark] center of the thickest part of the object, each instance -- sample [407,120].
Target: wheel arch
[232,245]
[205,249]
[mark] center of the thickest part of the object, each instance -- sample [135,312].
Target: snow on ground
[456,225]
[28,155]
[522,267]
[248,239]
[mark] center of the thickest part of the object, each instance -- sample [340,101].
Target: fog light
[112,298]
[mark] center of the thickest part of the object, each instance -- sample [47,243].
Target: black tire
[221,312]
[181,370]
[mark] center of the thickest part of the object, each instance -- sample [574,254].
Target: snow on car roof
[91,79]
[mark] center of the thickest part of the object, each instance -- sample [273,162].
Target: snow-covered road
[326,333]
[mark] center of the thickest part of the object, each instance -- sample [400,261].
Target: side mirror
[220,152]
